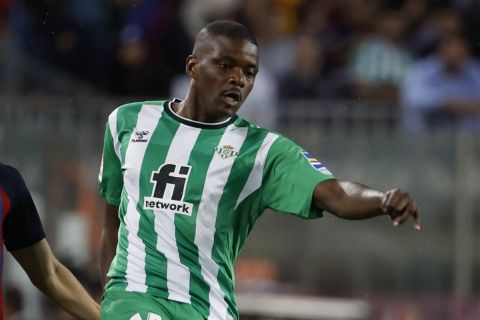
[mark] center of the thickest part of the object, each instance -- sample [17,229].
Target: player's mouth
[232,96]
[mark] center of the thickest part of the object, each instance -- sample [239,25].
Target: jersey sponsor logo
[140,136]
[169,189]
[317,165]
[226,151]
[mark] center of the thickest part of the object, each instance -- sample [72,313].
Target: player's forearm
[64,289]
[349,200]
[56,281]
[360,202]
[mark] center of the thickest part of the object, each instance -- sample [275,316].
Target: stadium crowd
[380,52]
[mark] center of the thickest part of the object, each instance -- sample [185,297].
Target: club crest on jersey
[317,165]
[170,181]
[140,136]
[226,151]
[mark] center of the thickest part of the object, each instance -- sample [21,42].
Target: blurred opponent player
[24,237]
[185,181]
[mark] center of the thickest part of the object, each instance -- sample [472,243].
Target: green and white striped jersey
[189,194]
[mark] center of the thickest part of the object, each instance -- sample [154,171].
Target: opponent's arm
[109,239]
[350,200]
[56,281]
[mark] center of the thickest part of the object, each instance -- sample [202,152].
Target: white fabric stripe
[217,175]
[135,274]
[254,180]
[178,275]
[112,123]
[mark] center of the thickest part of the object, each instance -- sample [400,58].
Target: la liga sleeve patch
[317,165]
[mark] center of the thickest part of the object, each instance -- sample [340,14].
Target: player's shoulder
[11,180]
[269,134]
[270,137]
[282,144]
[241,122]
[277,143]
[9,173]
[134,107]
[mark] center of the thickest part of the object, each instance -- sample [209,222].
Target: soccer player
[185,180]
[24,237]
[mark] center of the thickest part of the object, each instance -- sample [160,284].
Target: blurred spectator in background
[276,40]
[146,64]
[328,24]
[308,78]
[436,24]
[444,89]
[72,36]
[470,11]
[359,17]
[380,62]
[195,14]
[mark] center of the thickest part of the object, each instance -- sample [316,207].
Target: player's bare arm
[56,281]
[350,200]
[108,240]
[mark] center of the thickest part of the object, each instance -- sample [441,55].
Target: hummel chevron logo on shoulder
[140,135]
[226,151]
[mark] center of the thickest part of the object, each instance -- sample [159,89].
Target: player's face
[224,75]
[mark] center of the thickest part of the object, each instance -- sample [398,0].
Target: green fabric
[290,180]
[121,305]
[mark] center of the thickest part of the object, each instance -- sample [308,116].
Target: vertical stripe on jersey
[178,275]
[148,118]
[200,159]
[255,178]
[112,123]
[155,156]
[239,223]
[217,174]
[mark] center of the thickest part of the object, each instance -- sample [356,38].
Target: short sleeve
[290,177]
[22,226]
[110,180]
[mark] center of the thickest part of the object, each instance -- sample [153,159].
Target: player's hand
[400,206]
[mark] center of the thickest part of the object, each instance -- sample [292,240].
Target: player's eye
[223,66]
[250,74]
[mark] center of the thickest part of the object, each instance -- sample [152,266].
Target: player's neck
[191,109]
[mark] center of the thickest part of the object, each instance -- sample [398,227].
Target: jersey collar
[193,123]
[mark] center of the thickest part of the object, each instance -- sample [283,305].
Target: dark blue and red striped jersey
[20,224]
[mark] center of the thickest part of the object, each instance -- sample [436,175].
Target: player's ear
[191,66]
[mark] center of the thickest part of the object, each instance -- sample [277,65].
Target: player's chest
[192,168]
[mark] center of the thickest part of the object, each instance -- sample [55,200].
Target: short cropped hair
[230,29]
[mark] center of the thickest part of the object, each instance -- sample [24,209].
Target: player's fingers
[390,200]
[404,209]
[396,203]
[412,211]
[416,219]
